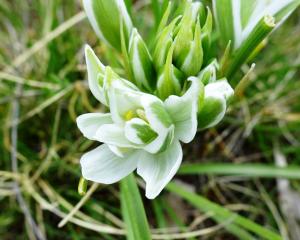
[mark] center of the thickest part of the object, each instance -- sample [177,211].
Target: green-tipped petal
[214,105]
[95,71]
[183,110]
[160,121]
[212,112]
[139,132]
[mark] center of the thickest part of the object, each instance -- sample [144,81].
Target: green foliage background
[42,91]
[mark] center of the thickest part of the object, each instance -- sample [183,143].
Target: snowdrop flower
[141,131]
[171,94]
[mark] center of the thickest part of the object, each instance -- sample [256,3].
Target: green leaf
[259,33]
[252,170]
[106,17]
[133,210]
[221,215]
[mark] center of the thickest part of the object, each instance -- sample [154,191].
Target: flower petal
[219,88]
[157,170]
[183,111]
[212,112]
[113,134]
[139,132]
[162,142]
[120,152]
[122,101]
[95,71]
[103,166]
[156,113]
[89,123]
[214,107]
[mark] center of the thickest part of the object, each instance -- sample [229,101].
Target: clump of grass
[42,90]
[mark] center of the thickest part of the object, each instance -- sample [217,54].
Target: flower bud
[188,53]
[106,26]
[141,62]
[163,44]
[169,80]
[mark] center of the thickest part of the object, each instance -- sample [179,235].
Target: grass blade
[133,210]
[251,170]
[222,214]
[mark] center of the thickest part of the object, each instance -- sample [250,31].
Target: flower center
[138,113]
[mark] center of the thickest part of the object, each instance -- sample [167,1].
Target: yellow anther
[129,115]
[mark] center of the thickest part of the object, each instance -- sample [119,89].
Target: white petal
[214,108]
[95,71]
[156,113]
[103,166]
[183,111]
[212,112]
[117,150]
[219,88]
[89,123]
[162,141]
[122,101]
[113,134]
[158,170]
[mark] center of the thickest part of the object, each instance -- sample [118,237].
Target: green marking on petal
[161,114]
[167,141]
[145,132]
[211,112]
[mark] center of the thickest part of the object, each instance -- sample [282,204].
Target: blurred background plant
[42,91]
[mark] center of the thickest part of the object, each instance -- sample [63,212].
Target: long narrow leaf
[252,170]
[221,214]
[133,210]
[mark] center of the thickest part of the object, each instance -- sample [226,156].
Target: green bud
[169,80]
[206,32]
[188,54]
[163,44]
[82,186]
[141,62]
[106,18]
[209,73]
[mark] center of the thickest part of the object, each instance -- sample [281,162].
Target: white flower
[141,131]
